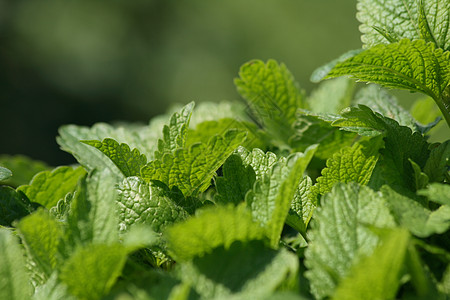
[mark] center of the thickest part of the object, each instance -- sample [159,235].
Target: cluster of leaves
[333,195]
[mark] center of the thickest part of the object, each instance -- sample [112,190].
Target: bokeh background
[88,61]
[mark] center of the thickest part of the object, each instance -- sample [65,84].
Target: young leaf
[191,169]
[211,228]
[13,206]
[151,203]
[22,167]
[272,95]
[174,135]
[14,280]
[242,271]
[5,173]
[437,166]
[386,265]
[410,65]
[339,236]
[128,161]
[48,187]
[302,207]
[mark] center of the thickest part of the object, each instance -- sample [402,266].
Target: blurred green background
[89,61]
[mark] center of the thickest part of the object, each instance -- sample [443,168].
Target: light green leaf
[42,236]
[260,162]
[92,270]
[412,215]
[320,73]
[331,96]
[5,173]
[242,271]
[438,164]
[339,236]
[272,94]
[14,280]
[302,207]
[52,289]
[13,206]
[174,134]
[128,161]
[211,228]
[151,204]
[439,193]
[22,167]
[425,111]
[410,65]
[351,164]
[386,265]
[213,111]
[429,20]
[140,236]
[191,169]
[48,187]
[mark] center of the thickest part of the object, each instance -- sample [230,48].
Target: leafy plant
[336,195]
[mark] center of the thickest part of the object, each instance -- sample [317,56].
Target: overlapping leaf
[437,166]
[14,205]
[22,167]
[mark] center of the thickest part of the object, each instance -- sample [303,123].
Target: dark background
[88,61]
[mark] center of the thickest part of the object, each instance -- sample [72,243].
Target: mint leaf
[320,73]
[92,270]
[128,161]
[5,173]
[211,228]
[437,166]
[425,111]
[42,236]
[150,203]
[191,169]
[420,178]
[386,265]
[242,271]
[13,206]
[411,65]
[302,207]
[174,135]
[22,167]
[48,187]
[52,289]
[331,96]
[14,280]
[213,111]
[439,193]
[351,164]
[272,95]
[339,235]
[411,19]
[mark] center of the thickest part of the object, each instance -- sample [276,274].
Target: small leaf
[13,206]
[438,164]
[22,167]
[436,192]
[5,173]
[331,96]
[302,207]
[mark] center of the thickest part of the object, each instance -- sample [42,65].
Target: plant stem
[444,104]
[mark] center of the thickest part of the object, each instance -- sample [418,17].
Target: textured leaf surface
[411,65]
[339,235]
[411,19]
[302,207]
[244,270]
[151,203]
[128,161]
[386,265]
[13,205]
[92,270]
[48,187]
[438,164]
[272,94]
[14,280]
[211,228]
[191,169]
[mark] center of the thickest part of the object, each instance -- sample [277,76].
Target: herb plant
[337,194]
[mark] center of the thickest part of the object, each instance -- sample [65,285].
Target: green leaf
[420,178]
[53,289]
[320,73]
[412,215]
[272,95]
[271,196]
[410,65]
[14,280]
[339,235]
[174,135]
[151,203]
[92,270]
[439,193]
[22,167]
[48,187]
[425,111]
[302,207]
[5,173]
[242,271]
[211,228]
[260,162]
[331,96]
[386,265]
[128,161]
[191,169]
[351,164]
[42,236]
[13,206]
[213,111]
[411,19]
[438,164]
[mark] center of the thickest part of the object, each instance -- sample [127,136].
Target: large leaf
[191,169]
[389,20]
[411,65]
[48,187]
[14,280]
[339,235]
